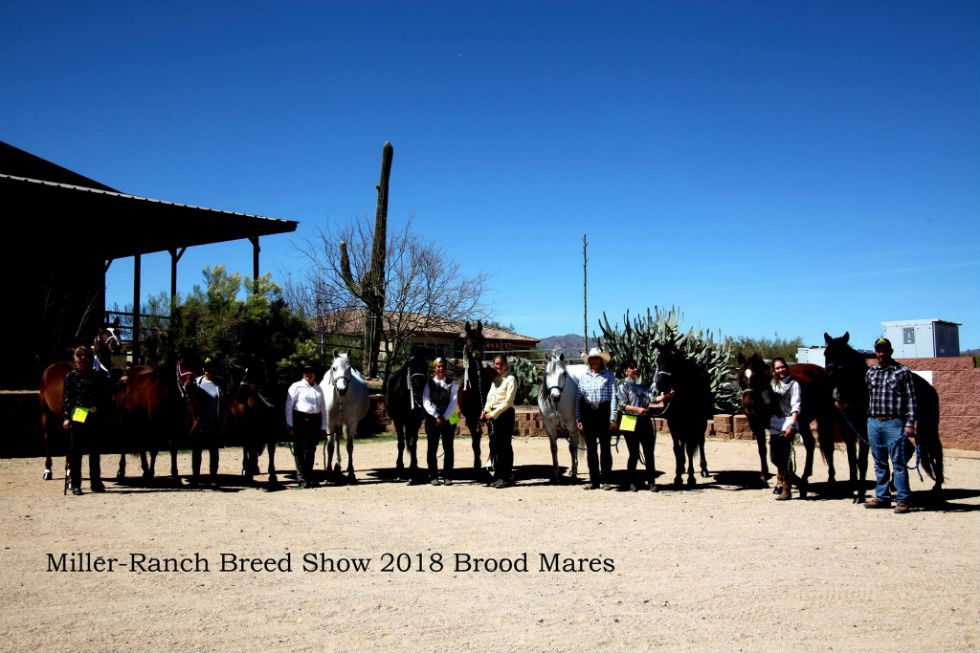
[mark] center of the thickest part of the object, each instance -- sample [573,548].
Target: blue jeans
[887,441]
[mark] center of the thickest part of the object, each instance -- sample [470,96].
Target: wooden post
[137,354]
[585,293]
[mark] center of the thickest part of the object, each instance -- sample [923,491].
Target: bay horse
[51,392]
[474,387]
[556,401]
[847,369]
[687,412]
[403,403]
[152,413]
[816,403]
[256,422]
[347,402]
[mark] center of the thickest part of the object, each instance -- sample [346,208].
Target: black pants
[306,434]
[644,437]
[84,437]
[501,434]
[779,448]
[205,437]
[434,433]
[595,423]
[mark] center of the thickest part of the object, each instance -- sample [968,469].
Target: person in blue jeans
[891,421]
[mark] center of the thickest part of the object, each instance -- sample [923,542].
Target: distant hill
[570,342]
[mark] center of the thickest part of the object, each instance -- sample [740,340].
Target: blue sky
[769,167]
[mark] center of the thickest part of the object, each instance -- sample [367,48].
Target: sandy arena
[718,568]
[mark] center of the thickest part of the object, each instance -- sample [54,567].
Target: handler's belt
[885,418]
[595,406]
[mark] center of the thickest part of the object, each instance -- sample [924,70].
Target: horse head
[753,379]
[107,340]
[339,374]
[670,366]
[839,356]
[474,344]
[415,378]
[555,376]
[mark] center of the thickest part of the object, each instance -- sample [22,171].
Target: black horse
[816,403]
[688,409]
[403,403]
[474,386]
[847,369]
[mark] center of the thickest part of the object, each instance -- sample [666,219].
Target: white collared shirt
[306,398]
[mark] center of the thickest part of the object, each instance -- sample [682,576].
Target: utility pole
[585,293]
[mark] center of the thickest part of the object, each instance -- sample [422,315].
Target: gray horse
[556,401]
[347,400]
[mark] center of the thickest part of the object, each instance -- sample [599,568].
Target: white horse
[556,401]
[347,400]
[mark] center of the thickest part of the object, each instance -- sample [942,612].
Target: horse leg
[45,433]
[350,456]
[692,446]
[863,449]
[856,488]
[412,442]
[760,440]
[678,457]
[476,432]
[121,471]
[331,440]
[400,434]
[809,444]
[270,447]
[555,474]
[174,476]
[704,460]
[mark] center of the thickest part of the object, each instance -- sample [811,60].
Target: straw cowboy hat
[595,352]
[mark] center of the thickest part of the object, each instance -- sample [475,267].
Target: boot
[787,485]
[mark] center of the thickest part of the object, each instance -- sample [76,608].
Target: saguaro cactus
[370,289]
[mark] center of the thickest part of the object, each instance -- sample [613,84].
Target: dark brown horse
[51,392]
[816,403]
[256,422]
[688,410]
[403,403]
[847,369]
[474,386]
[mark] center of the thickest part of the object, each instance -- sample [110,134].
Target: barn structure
[63,232]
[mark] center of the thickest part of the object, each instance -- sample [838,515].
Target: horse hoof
[705,474]
[859,499]
[351,478]
[678,481]
[47,475]
[691,482]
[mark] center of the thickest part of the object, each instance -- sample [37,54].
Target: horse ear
[826,338]
[336,353]
[466,326]
[479,326]
[846,336]
[115,323]
[740,357]
[561,357]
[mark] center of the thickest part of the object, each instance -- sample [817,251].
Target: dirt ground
[718,568]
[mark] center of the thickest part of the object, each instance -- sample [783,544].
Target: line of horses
[153,409]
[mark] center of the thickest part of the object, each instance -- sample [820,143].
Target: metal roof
[53,210]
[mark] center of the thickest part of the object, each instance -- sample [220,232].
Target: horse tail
[829,431]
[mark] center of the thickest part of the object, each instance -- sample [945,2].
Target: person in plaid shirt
[595,416]
[891,419]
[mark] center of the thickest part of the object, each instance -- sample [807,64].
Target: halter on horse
[347,403]
[556,401]
[403,402]
[475,386]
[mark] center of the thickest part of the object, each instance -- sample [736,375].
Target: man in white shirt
[306,421]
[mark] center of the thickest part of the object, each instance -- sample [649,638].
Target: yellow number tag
[454,419]
[79,415]
[628,423]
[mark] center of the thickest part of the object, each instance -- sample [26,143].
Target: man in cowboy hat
[595,415]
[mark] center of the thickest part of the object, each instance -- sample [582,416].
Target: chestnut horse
[816,402]
[474,386]
[152,413]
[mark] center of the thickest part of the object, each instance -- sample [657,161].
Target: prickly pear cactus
[528,379]
[637,338]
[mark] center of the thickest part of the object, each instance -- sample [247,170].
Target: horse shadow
[220,483]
